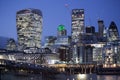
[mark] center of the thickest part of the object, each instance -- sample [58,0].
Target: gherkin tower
[113,33]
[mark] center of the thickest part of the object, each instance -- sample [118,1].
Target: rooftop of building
[30,10]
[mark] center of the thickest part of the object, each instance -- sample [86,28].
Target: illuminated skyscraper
[113,32]
[77,35]
[29,28]
[77,24]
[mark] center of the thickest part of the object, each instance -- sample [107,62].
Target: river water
[87,77]
[9,76]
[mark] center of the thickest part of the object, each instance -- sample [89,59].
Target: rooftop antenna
[69,11]
[90,21]
[67,7]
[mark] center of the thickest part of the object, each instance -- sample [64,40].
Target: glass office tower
[77,35]
[77,24]
[29,28]
[113,33]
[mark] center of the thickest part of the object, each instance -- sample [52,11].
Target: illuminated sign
[61,28]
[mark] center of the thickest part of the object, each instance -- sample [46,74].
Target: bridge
[22,68]
[27,68]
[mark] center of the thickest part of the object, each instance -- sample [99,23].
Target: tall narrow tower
[77,33]
[100,28]
[29,28]
[77,24]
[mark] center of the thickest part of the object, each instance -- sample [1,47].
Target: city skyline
[73,39]
[55,14]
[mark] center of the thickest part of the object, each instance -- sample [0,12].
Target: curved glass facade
[113,32]
[29,28]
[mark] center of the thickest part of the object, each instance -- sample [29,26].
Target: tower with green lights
[61,30]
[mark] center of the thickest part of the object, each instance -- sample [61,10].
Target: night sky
[56,12]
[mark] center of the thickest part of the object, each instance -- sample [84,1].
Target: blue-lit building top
[63,40]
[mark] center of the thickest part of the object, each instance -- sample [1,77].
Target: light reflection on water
[87,77]
[11,76]
[109,77]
